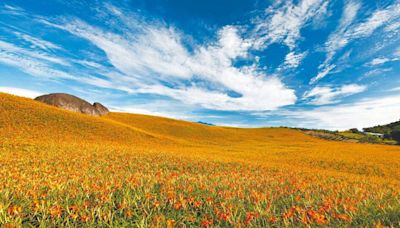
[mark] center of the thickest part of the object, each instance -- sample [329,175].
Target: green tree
[396,134]
[354,130]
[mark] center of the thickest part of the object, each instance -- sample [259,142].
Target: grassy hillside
[391,131]
[348,136]
[384,129]
[59,168]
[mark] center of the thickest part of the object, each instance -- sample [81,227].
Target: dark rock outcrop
[73,103]
[103,110]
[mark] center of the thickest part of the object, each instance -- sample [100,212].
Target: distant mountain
[205,123]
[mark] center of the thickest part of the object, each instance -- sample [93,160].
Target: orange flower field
[59,168]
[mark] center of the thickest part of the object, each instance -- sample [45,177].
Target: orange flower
[55,211]
[224,216]
[344,217]
[197,204]
[206,223]
[178,205]
[35,205]
[122,206]
[379,225]
[85,218]
[273,219]
[250,216]
[149,195]
[86,204]
[73,208]
[9,226]
[156,204]
[14,210]
[170,223]
[129,213]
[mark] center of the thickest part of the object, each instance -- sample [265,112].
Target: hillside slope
[383,129]
[24,121]
[30,121]
[390,131]
[59,168]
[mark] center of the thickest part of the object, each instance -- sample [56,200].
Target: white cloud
[40,43]
[376,20]
[283,23]
[253,99]
[328,95]
[146,111]
[89,64]
[394,27]
[397,52]
[379,61]
[338,39]
[293,60]
[365,113]
[395,89]
[348,31]
[326,70]
[156,108]
[21,92]
[40,64]
[12,50]
[376,72]
[152,54]
[12,10]
[31,62]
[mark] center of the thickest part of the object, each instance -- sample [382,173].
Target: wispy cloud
[379,61]
[337,39]
[153,54]
[36,42]
[330,95]
[40,64]
[31,62]
[377,19]
[12,10]
[293,60]
[283,21]
[11,50]
[395,56]
[349,29]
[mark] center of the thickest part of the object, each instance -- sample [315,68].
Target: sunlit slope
[25,121]
[279,146]
[199,133]
[29,121]
[59,168]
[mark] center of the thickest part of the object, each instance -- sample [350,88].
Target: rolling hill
[63,168]
[390,131]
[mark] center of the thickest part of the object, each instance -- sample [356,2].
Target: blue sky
[302,63]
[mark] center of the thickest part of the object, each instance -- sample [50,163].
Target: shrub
[396,135]
[354,130]
[370,139]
